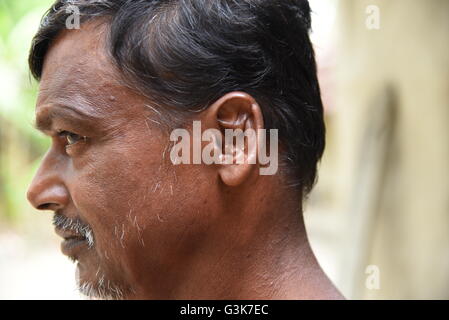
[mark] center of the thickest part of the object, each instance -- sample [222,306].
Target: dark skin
[163,231]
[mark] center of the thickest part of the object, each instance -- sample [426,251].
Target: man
[139,224]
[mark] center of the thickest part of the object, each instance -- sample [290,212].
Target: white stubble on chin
[77,274]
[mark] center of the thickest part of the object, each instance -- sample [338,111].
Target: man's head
[110,94]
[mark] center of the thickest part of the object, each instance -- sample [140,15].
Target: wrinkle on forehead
[77,67]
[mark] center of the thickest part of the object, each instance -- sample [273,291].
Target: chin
[94,284]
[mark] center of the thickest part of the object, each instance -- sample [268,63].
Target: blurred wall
[31,265]
[381,207]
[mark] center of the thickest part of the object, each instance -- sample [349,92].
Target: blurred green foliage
[21,146]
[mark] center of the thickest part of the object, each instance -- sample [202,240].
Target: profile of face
[138,224]
[134,222]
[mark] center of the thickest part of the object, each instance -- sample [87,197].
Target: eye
[71,138]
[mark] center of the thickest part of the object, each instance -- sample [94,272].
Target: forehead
[78,70]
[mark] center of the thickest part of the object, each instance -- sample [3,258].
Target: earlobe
[238,117]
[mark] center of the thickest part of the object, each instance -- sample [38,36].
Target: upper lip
[68,234]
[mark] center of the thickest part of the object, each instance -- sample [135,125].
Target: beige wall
[383,194]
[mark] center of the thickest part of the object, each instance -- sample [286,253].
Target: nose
[47,190]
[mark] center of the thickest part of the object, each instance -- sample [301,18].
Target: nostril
[45,206]
[48,195]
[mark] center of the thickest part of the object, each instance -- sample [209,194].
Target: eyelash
[67,135]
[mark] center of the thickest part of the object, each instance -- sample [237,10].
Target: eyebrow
[66,112]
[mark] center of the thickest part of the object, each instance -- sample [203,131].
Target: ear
[237,116]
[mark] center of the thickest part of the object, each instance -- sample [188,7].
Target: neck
[266,256]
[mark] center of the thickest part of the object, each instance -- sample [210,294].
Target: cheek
[146,214]
[105,193]
[176,219]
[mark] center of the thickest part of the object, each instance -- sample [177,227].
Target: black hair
[186,54]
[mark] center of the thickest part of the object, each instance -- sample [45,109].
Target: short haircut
[186,54]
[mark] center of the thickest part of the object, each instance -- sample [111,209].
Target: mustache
[84,230]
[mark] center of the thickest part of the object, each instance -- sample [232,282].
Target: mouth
[73,243]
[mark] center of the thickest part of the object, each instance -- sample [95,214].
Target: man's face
[108,174]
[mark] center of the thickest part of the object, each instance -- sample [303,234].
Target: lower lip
[72,247]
